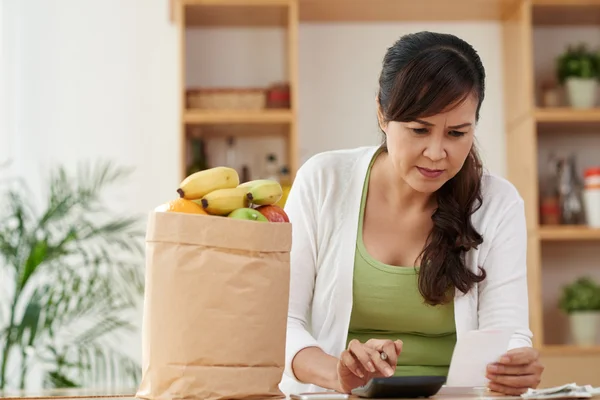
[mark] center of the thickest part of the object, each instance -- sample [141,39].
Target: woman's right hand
[362,361]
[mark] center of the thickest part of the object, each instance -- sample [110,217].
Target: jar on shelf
[591,196]
[550,211]
[278,96]
[550,94]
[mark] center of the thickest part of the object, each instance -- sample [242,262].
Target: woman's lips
[430,173]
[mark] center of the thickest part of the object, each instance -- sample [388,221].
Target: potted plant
[578,70]
[581,301]
[72,281]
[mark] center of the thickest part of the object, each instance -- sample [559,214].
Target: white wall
[87,89]
[8,39]
[4,112]
[93,78]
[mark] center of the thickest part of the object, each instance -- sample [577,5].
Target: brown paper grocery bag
[215,307]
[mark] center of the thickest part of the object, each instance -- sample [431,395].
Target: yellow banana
[255,182]
[224,201]
[263,191]
[200,183]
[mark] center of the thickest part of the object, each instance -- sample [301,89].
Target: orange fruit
[181,206]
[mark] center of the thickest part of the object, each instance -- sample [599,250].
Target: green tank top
[387,305]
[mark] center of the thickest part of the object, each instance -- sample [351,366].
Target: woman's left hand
[516,371]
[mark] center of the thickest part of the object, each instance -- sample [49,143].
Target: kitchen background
[102,80]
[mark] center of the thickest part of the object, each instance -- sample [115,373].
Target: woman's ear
[381,119]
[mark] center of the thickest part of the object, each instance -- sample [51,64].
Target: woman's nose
[435,150]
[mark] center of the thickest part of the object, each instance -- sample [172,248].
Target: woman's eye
[457,133]
[419,131]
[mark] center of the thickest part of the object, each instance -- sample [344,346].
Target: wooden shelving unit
[247,13]
[240,123]
[528,127]
[288,14]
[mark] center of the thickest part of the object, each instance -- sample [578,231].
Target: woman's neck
[396,191]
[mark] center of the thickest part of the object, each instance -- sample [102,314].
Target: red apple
[274,213]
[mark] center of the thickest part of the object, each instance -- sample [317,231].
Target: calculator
[401,387]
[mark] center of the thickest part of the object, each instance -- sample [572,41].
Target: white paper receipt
[472,354]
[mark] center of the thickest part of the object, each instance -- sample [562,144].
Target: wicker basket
[226,99]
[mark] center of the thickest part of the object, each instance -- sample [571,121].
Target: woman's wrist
[334,381]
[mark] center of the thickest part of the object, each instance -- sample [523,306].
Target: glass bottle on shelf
[549,195]
[245,176]
[198,153]
[571,204]
[286,184]
[271,170]
[230,154]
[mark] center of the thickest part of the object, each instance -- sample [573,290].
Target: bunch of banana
[263,191]
[218,192]
[224,201]
[201,183]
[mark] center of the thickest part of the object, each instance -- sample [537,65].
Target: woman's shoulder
[498,191]
[333,165]
[499,197]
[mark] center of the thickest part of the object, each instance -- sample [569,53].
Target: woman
[399,249]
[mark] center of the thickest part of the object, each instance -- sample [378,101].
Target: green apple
[248,213]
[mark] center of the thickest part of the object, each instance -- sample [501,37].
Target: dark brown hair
[424,74]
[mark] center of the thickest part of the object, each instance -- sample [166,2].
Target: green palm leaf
[76,280]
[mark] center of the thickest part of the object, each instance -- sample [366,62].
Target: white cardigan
[323,207]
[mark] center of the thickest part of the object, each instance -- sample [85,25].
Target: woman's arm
[503,303]
[305,361]
[503,297]
[313,365]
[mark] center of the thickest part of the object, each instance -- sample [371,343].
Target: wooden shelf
[238,117]
[568,233]
[566,12]
[402,10]
[273,12]
[236,3]
[236,12]
[566,114]
[570,350]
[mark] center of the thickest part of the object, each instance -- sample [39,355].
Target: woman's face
[428,152]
